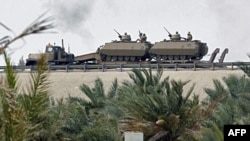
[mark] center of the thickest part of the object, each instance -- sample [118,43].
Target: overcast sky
[87,24]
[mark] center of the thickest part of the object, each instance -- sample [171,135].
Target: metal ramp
[223,54]
[215,52]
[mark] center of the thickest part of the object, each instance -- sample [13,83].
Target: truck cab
[55,55]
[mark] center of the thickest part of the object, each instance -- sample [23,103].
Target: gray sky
[87,24]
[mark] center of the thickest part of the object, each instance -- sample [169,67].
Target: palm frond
[95,94]
[147,107]
[12,116]
[35,98]
[89,93]
[190,91]
[10,74]
[177,87]
[158,75]
[212,134]
[137,76]
[237,85]
[148,76]
[218,92]
[40,25]
[99,89]
[244,68]
[113,89]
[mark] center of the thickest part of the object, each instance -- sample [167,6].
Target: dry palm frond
[40,25]
[12,117]
[13,120]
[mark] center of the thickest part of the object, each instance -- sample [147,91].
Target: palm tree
[145,82]
[94,118]
[233,108]
[97,100]
[16,120]
[236,99]
[156,106]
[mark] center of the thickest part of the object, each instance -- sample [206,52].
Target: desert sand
[64,84]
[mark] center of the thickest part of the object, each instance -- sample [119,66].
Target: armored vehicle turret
[126,49]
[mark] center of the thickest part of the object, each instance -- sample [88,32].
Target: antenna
[62,44]
[68,48]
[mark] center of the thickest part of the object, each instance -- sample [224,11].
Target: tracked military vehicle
[178,49]
[126,49]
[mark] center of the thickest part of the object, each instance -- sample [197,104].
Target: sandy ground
[64,84]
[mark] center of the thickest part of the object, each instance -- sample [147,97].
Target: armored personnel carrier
[178,49]
[126,49]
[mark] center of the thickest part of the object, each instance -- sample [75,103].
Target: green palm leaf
[113,89]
